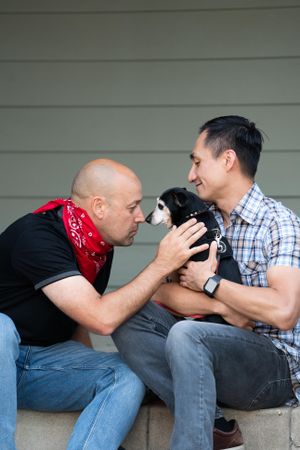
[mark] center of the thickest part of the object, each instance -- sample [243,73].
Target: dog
[177,205]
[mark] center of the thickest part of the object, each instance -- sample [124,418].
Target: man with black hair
[196,366]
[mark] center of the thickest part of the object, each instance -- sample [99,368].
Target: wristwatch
[211,285]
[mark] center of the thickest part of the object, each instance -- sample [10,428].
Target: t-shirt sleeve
[43,255]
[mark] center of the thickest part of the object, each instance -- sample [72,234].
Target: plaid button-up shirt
[263,233]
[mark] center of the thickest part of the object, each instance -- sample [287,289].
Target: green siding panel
[143,129]
[175,83]
[135,5]
[50,175]
[13,208]
[198,34]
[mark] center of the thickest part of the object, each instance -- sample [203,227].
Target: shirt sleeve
[43,255]
[283,244]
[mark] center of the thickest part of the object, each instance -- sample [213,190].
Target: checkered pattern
[264,233]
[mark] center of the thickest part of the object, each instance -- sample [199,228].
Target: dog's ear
[179,199]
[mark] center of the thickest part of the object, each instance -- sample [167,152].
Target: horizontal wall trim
[145,197]
[152,60]
[65,60]
[146,11]
[115,152]
[152,105]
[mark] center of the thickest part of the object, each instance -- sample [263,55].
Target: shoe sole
[239,447]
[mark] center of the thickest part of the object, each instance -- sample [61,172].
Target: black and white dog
[177,205]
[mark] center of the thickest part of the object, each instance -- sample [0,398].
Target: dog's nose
[149,218]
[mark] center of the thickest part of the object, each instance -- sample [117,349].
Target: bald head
[111,194]
[100,177]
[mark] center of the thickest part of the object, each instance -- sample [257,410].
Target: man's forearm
[257,303]
[117,306]
[188,302]
[77,298]
[185,301]
[277,305]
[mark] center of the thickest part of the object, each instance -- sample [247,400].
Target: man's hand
[195,273]
[174,250]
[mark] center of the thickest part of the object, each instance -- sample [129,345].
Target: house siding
[133,80]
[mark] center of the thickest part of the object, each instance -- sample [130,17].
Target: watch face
[210,285]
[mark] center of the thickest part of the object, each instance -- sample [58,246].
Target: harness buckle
[221,246]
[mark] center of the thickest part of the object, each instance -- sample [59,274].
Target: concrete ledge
[269,429]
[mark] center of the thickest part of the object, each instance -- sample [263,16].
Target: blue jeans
[67,377]
[193,365]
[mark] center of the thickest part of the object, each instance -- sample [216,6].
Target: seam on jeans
[91,432]
[201,395]
[60,368]
[24,366]
[241,339]
[266,386]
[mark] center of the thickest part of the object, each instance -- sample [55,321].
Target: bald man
[54,267]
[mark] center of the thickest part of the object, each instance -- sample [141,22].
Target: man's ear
[179,199]
[98,206]
[229,158]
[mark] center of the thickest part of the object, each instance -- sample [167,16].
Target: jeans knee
[122,380]
[8,332]
[130,382]
[9,339]
[180,336]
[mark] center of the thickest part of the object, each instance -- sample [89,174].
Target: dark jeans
[191,365]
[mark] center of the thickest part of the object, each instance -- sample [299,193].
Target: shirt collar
[248,206]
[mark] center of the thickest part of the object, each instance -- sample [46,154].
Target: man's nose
[191,175]
[140,216]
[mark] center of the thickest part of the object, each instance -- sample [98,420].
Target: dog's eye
[160,206]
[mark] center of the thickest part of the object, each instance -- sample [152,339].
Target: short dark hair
[238,133]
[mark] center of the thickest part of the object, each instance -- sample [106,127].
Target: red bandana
[90,249]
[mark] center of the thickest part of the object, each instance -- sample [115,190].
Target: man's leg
[70,377]
[9,351]
[208,362]
[141,342]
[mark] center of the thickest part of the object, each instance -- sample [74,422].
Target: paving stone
[269,429]
[160,428]
[295,428]
[265,429]
[138,436]
[44,431]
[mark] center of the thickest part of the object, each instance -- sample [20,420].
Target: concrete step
[269,429]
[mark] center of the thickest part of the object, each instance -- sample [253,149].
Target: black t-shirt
[34,252]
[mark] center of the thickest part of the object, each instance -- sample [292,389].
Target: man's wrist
[211,285]
[204,277]
[160,270]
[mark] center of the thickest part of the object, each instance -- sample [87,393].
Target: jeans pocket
[160,328]
[273,394]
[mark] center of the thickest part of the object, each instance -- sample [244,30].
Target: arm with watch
[277,305]
[211,285]
[190,303]
[190,300]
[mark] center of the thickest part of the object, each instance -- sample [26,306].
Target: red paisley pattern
[90,249]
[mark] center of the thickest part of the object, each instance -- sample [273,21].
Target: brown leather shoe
[229,440]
